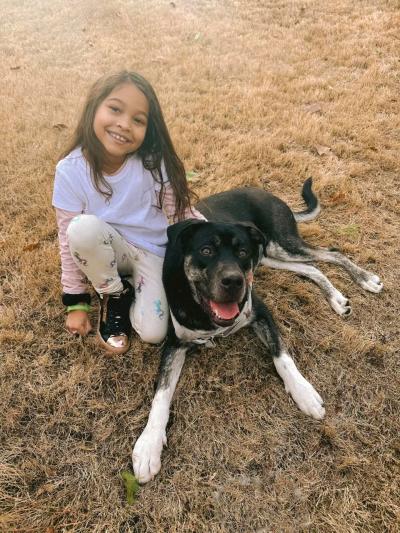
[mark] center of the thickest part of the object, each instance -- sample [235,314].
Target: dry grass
[255,92]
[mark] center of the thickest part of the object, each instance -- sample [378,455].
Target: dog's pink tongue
[225,311]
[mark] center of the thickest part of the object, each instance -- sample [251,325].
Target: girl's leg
[103,255]
[100,252]
[150,313]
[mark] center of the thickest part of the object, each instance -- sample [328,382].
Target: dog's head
[218,261]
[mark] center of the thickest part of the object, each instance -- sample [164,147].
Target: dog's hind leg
[367,280]
[303,393]
[146,455]
[294,250]
[338,302]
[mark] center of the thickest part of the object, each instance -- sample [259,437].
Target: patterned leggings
[104,256]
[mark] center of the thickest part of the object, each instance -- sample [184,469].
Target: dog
[208,274]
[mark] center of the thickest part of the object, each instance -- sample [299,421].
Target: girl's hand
[78,322]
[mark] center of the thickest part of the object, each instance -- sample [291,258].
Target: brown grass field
[254,92]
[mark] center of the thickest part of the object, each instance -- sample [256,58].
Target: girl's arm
[77,321]
[169,207]
[72,278]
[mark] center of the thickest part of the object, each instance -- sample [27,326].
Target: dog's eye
[243,253]
[206,250]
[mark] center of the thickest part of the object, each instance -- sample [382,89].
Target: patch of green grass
[131,485]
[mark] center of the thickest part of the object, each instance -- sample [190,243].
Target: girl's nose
[122,123]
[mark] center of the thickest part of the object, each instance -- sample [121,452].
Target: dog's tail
[312,203]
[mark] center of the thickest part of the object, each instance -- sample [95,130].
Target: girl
[117,186]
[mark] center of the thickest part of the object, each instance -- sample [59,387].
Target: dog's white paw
[146,454]
[340,304]
[306,398]
[371,283]
[303,393]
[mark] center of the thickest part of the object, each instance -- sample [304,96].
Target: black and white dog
[208,274]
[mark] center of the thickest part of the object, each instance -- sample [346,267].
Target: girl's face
[120,124]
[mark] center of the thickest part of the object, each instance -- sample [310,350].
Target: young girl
[117,186]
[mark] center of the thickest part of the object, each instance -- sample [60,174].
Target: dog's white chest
[201,336]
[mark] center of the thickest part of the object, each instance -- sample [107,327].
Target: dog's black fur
[207,276]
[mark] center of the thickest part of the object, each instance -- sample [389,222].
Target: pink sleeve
[169,207]
[72,278]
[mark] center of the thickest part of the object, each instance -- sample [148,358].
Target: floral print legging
[104,256]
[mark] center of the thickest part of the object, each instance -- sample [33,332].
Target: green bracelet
[79,307]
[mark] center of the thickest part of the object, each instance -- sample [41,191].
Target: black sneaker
[114,326]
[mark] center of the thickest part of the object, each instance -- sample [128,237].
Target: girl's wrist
[74,299]
[79,307]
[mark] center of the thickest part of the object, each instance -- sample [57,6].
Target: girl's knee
[150,330]
[152,337]
[84,230]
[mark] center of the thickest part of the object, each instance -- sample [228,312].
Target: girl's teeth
[118,137]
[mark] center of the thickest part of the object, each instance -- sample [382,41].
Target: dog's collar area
[201,336]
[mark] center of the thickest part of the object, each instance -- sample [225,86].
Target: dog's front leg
[303,393]
[146,455]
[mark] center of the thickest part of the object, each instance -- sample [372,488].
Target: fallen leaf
[31,246]
[192,176]
[47,488]
[60,126]
[322,150]
[313,108]
[336,198]
[17,67]
[348,462]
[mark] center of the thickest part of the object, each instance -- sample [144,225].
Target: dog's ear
[178,233]
[257,237]
[255,234]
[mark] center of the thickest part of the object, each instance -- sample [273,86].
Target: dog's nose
[232,282]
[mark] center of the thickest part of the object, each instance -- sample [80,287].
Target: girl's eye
[206,250]
[139,121]
[114,109]
[242,253]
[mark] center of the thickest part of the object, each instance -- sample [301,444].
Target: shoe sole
[110,349]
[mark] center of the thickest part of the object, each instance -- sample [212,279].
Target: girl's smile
[120,124]
[118,138]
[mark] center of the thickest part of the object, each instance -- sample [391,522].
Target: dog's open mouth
[225,313]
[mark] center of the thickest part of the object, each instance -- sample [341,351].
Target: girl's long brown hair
[157,144]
